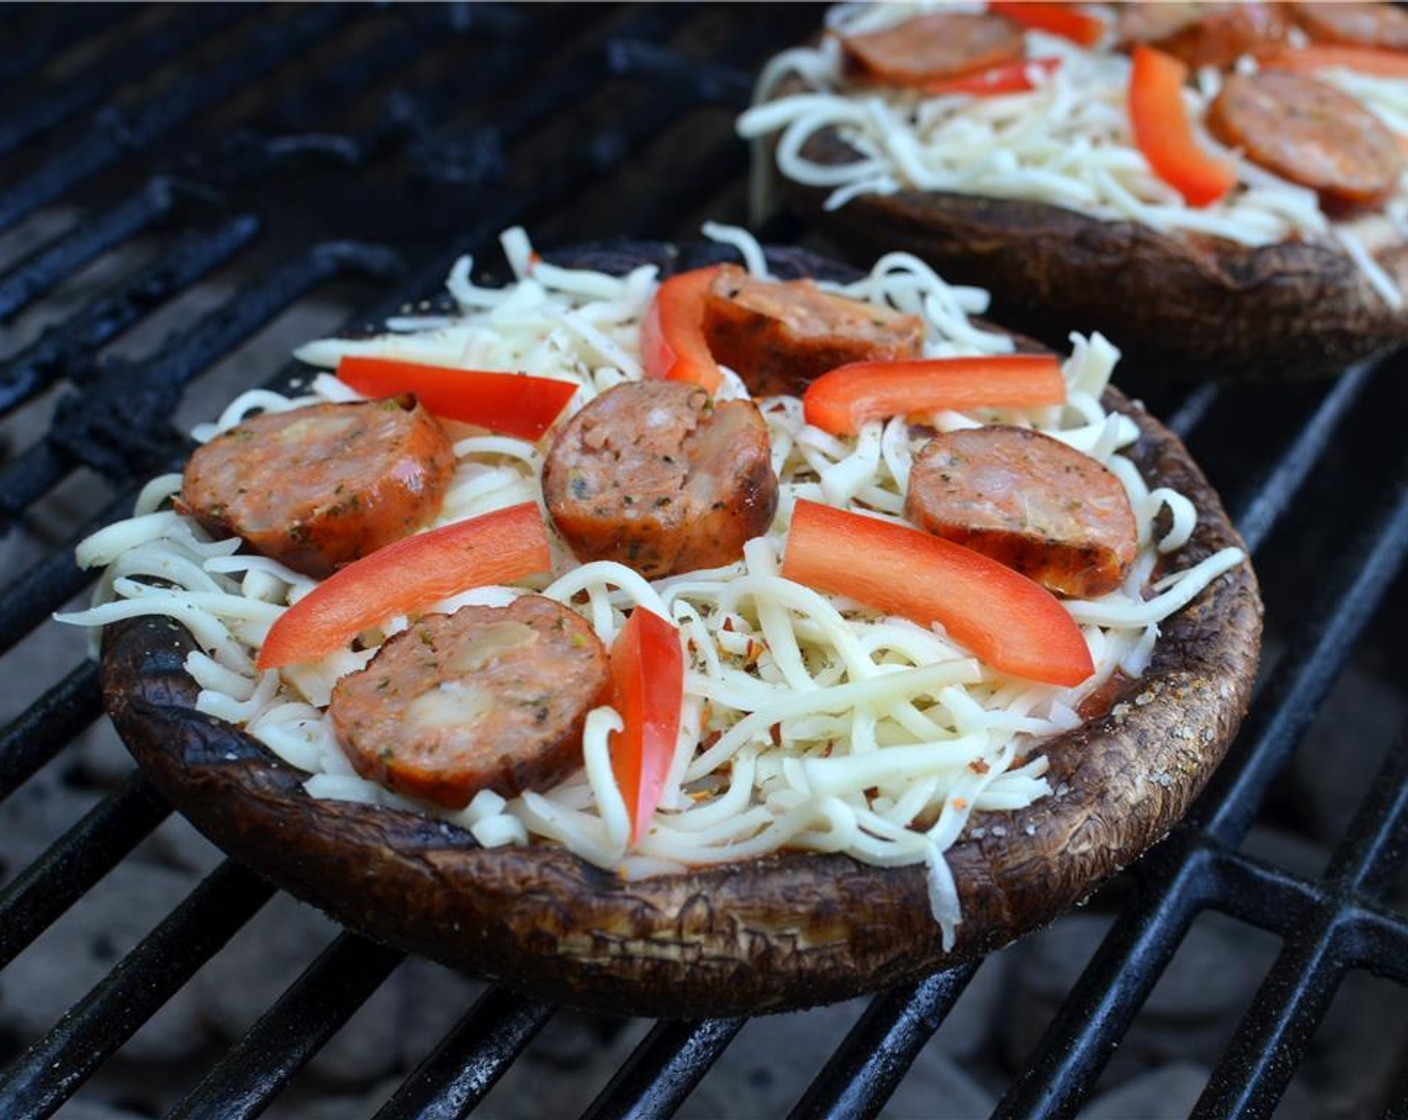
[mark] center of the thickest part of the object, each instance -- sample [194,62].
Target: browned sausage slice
[1310,133]
[1028,501]
[320,486]
[1152,24]
[485,698]
[1355,25]
[656,475]
[1203,34]
[939,45]
[779,336]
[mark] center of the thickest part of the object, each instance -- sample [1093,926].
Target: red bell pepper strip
[1164,135]
[1055,19]
[647,670]
[1009,621]
[405,577]
[842,399]
[1373,61]
[1010,77]
[672,342]
[512,403]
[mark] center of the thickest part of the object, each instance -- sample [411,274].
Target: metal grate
[289,146]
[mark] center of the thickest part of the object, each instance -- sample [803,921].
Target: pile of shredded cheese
[809,722]
[1068,142]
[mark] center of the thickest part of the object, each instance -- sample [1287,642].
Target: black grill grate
[282,145]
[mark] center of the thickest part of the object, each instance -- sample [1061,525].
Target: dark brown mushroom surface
[1179,307]
[783,932]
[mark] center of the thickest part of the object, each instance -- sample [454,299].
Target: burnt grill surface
[360,149]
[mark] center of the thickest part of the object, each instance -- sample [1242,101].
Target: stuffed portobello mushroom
[1217,187]
[702,685]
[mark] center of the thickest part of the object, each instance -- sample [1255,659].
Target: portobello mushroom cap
[788,931]
[1178,306]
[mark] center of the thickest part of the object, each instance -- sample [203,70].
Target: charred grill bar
[289,144]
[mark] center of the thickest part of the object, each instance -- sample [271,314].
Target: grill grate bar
[334,89]
[1262,1057]
[115,135]
[1291,1002]
[1273,1035]
[547,98]
[1073,1052]
[34,900]
[664,1069]
[608,147]
[648,22]
[119,426]
[191,352]
[1195,406]
[49,584]
[1269,897]
[716,81]
[1276,492]
[1311,666]
[261,302]
[43,466]
[25,477]
[719,165]
[440,154]
[69,348]
[31,51]
[1286,904]
[1376,842]
[51,106]
[873,1058]
[1378,941]
[286,1036]
[54,263]
[45,728]
[475,156]
[605,149]
[244,158]
[706,81]
[53,1068]
[461,1070]
[1089,1024]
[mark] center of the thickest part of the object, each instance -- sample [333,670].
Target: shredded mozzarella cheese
[1067,142]
[808,722]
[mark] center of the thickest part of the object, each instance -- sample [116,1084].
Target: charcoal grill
[298,149]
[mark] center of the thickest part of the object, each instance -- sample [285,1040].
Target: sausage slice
[658,476]
[1353,24]
[779,336]
[1028,501]
[1203,34]
[939,45]
[318,487]
[1310,133]
[485,698]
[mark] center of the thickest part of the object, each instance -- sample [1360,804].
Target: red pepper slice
[1055,19]
[1010,77]
[647,670]
[1010,622]
[672,342]
[843,399]
[512,403]
[406,576]
[1164,135]
[1374,61]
